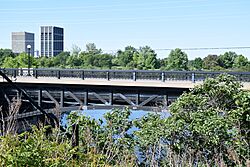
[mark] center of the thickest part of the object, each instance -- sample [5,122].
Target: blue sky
[114,24]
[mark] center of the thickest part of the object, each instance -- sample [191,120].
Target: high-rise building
[20,40]
[51,40]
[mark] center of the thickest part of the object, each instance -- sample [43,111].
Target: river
[98,114]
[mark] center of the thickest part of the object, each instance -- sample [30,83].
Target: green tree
[103,61]
[61,59]
[87,59]
[23,61]
[211,62]
[125,58]
[45,62]
[91,48]
[112,139]
[139,61]
[211,121]
[177,60]
[240,61]
[4,53]
[75,50]
[196,64]
[20,61]
[149,139]
[10,62]
[74,61]
[149,57]
[227,59]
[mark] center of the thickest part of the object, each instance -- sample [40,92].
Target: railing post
[21,72]
[134,76]
[58,74]
[82,75]
[36,73]
[193,77]
[107,75]
[163,77]
[15,73]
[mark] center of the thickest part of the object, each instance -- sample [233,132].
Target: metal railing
[134,75]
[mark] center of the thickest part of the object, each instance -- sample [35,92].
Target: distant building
[36,54]
[20,40]
[52,40]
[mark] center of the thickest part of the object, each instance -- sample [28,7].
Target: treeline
[144,58]
[208,126]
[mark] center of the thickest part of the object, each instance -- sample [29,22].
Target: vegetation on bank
[208,126]
[143,58]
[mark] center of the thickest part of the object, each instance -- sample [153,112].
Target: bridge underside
[56,98]
[49,96]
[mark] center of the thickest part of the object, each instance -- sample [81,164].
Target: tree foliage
[91,48]
[177,60]
[208,126]
[211,62]
[196,64]
[20,61]
[142,58]
[125,58]
[227,59]
[5,53]
[240,62]
[212,120]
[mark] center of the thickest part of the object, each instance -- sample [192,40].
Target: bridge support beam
[100,98]
[51,97]
[111,97]
[62,98]
[86,96]
[75,98]
[165,101]
[126,99]
[148,100]
[138,99]
[40,97]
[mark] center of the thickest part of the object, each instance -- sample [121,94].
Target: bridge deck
[113,82]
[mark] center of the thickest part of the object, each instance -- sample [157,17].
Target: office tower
[20,40]
[51,40]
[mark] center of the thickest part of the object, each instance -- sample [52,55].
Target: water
[98,114]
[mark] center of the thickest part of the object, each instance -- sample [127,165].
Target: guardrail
[134,75]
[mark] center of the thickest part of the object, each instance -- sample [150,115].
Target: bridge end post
[15,73]
[107,75]
[36,73]
[134,76]
[82,75]
[58,74]
[163,77]
[193,77]
[21,72]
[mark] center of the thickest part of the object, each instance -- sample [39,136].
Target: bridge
[169,79]
[74,89]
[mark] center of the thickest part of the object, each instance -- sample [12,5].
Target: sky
[115,24]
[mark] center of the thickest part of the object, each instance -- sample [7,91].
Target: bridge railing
[192,76]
